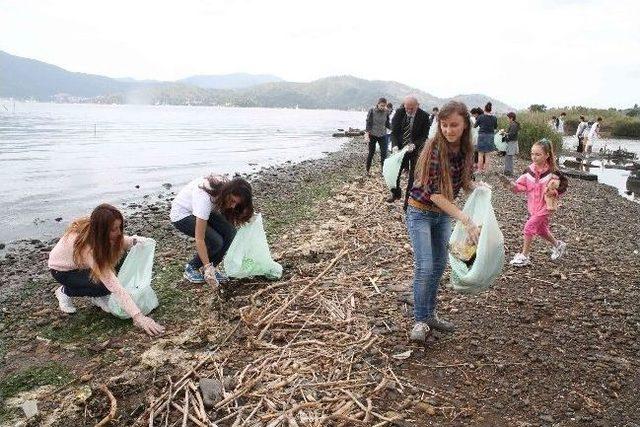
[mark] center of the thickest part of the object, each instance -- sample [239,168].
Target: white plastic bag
[499,143]
[249,254]
[135,277]
[391,168]
[490,255]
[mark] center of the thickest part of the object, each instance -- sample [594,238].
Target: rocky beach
[556,343]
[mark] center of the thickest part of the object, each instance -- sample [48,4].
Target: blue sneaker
[221,277]
[192,275]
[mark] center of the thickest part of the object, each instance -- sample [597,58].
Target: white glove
[148,325]
[410,147]
[394,149]
[210,276]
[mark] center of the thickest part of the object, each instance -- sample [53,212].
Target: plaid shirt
[456,165]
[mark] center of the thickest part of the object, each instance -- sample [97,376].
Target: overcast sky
[560,52]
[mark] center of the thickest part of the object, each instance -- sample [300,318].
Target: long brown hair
[547,147]
[221,191]
[441,145]
[94,236]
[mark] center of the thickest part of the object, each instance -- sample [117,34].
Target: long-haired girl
[445,166]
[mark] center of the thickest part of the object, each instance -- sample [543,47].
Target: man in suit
[410,128]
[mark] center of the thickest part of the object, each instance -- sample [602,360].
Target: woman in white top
[594,132]
[209,209]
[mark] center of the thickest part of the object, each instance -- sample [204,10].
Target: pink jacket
[534,182]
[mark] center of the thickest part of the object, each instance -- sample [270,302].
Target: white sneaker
[419,332]
[520,260]
[64,302]
[102,302]
[558,250]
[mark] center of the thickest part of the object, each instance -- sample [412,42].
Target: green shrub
[626,128]
[533,127]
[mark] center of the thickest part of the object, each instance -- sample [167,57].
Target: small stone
[211,392]
[137,186]
[546,418]
[86,378]
[426,408]
[30,408]
[58,219]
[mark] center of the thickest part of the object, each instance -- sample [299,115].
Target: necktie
[406,132]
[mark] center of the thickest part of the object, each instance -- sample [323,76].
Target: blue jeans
[429,233]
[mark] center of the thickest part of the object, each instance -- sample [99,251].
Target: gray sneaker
[419,332]
[439,324]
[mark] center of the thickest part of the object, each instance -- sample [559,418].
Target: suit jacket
[419,131]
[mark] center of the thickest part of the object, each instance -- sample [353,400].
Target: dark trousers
[217,237]
[78,283]
[580,148]
[408,162]
[382,143]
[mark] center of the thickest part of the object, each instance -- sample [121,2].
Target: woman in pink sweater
[542,183]
[84,262]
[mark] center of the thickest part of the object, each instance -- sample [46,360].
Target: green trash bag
[135,277]
[249,254]
[499,143]
[489,254]
[391,168]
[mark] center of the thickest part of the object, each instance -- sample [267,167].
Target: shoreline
[566,329]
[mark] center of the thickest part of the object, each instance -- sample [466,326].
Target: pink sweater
[61,259]
[534,183]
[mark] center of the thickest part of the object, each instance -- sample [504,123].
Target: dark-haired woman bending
[209,209]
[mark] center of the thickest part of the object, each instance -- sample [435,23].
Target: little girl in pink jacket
[542,183]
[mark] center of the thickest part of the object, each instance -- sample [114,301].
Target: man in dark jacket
[410,128]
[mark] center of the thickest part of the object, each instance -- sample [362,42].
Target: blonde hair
[440,143]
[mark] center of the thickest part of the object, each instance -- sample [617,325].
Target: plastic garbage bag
[489,252]
[135,277]
[499,143]
[249,254]
[391,168]
[474,136]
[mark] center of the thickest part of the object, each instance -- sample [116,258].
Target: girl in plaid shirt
[443,169]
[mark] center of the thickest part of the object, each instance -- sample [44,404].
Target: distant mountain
[479,100]
[27,78]
[229,81]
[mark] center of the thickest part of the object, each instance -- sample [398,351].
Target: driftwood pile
[311,356]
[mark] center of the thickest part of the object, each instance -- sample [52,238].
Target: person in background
[433,122]
[475,112]
[581,133]
[85,262]
[409,128]
[209,209]
[487,123]
[512,143]
[561,119]
[553,123]
[388,135]
[376,131]
[594,133]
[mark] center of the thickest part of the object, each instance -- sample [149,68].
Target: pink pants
[537,225]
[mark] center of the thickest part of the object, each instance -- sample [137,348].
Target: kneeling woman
[209,209]
[444,167]
[84,262]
